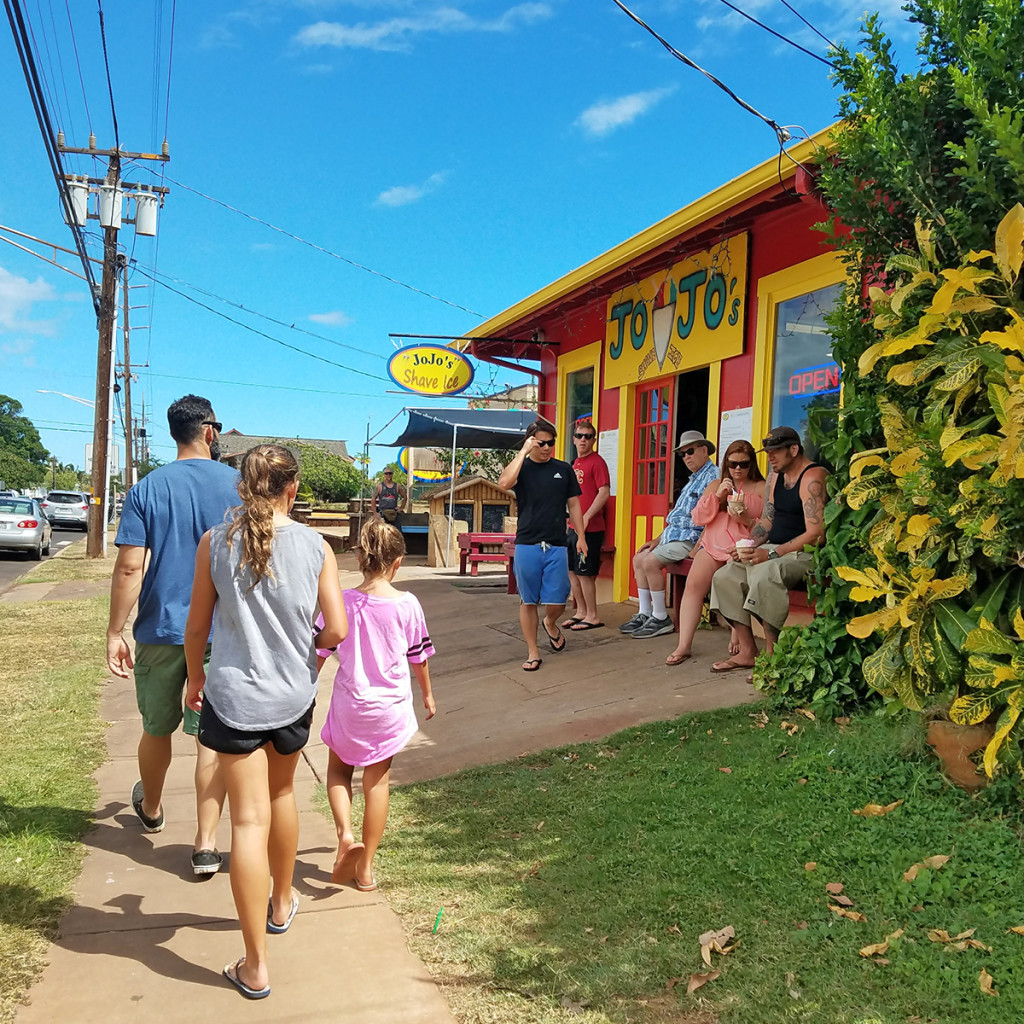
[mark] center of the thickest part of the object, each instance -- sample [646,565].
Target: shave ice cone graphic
[663,316]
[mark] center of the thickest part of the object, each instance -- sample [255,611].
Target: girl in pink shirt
[371,717]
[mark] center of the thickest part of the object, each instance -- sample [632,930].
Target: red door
[652,452]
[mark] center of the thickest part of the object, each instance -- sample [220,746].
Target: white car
[70,508]
[23,527]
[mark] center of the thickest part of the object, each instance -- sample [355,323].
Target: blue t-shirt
[167,512]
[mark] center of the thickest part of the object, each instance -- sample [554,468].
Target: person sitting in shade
[674,543]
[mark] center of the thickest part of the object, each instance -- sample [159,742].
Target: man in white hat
[674,543]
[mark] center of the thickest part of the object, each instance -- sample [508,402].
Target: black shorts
[592,565]
[289,739]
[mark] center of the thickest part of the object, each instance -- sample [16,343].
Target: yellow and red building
[711,319]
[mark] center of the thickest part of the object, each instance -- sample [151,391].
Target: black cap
[779,437]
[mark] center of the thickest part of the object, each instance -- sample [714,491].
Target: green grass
[71,564]
[575,882]
[51,740]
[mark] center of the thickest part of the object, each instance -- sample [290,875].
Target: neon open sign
[815,380]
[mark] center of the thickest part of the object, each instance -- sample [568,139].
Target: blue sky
[474,150]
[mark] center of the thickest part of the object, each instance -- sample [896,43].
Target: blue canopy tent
[473,428]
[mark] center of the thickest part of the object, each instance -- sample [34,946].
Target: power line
[778,35]
[74,43]
[326,252]
[780,132]
[170,64]
[808,24]
[106,64]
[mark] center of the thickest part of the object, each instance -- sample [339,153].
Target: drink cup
[736,504]
[745,549]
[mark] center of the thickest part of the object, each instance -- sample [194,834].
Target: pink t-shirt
[721,531]
[372,717]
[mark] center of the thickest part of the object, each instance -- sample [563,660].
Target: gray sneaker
[634,623]
[653,627]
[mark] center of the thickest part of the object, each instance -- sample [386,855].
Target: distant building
[522,396]
[234,444]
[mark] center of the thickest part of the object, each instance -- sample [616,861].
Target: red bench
[475,548]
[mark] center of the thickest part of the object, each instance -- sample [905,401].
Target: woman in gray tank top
[265,576]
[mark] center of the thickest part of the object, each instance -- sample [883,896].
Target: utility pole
[129,432]
[110,189]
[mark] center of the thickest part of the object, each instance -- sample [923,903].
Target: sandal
[729,666]
[231,973]
[553,640]
[677,659]
[532,665]
[569,623]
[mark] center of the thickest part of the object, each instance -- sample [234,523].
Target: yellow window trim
[572,362]
[772,290]
[623,490]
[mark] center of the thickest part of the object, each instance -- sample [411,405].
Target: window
[579,401]
[805,380]
[492,517]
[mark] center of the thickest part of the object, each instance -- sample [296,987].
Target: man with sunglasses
[163,519]
[592,475]
[545,488]
[674,543]
[756,583]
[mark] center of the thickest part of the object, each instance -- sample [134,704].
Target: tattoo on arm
[814,504]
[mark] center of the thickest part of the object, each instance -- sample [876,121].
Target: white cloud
[17,296]
[604,117]
[336,318]
[395,34]
[401,195]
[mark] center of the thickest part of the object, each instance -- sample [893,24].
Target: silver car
[67,508]
[23,527]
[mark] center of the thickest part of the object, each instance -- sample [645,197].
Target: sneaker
[149,824]
[653,627]
[634,623]
[206,862]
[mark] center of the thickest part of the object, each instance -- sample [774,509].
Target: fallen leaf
[843,901]
[880,960]
[698,980]
[986,982]
[591,767]
[877,948]
[960,947]
[540,825]
[674,929]
[789,727]
[834,888]
[852,915]
[760,718]
[933,863]
[671,983]
[876,810]
[727,771]
[941,935]
[603,940]
[807,713]
[800,926]
[710,733]
[573,1006]
[1017,929]
[720,935]
[810,865]
[841,721]
[802,782]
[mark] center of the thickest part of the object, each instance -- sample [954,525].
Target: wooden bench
[510,550]
[475,548]
[799,602]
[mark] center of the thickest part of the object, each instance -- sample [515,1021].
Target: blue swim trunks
[542,574]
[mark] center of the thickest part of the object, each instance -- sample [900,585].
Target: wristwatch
[772,553]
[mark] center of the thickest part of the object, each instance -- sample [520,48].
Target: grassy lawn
[575,883]
[51,740]
[71,564]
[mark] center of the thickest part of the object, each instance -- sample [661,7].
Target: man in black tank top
[758,579]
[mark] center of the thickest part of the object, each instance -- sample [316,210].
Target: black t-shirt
[542,493]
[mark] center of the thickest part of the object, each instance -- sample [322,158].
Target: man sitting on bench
[767,566]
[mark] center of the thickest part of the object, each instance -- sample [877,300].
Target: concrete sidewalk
[145,939]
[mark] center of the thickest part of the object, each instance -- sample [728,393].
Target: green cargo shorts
[160,678]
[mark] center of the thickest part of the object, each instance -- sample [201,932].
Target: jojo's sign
[676,320]
[430,370]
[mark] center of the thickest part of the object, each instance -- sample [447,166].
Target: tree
[487,461]
[23,459]
[329,477]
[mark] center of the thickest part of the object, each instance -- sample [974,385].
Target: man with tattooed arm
[765,568]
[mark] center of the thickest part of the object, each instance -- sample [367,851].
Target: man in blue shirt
[674,543]
[163,519]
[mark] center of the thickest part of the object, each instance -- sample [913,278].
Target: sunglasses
[585,437]
[740,465]
[216,424]
[546,444]
[688,452]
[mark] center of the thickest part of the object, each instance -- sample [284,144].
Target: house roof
[234,442]
[463,482]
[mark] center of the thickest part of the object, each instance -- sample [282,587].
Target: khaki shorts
[160,677]
[673,551]
[740,591]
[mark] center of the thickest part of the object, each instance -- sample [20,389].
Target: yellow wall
[578,359]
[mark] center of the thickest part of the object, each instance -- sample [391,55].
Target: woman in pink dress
[728,510]
[371,717]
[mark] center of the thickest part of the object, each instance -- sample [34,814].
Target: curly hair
[380,544]
[267,469]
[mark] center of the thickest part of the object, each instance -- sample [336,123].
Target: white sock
[658,600]
[645,601]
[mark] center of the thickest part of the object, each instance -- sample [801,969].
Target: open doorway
[691,414]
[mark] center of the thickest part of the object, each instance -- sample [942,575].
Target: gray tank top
[262,672]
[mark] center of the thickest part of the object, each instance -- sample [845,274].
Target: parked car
[69,508]
[24,527]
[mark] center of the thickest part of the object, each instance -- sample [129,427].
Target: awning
[474,428]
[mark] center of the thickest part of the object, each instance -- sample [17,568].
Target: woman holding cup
[728,510]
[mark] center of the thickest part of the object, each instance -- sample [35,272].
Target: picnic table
[475,548]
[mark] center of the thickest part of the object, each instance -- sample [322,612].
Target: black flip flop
[535,662]
[570,622]
[582,627]
[553,640]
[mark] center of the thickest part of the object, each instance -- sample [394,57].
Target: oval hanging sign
[430,370]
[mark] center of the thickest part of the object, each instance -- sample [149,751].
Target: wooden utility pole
[129,431]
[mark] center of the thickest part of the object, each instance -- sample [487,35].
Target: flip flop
[553,640]
[345,869]
[372,887]
[673,660]
[584,626]
[249,993]
[728,666]
[569,623]
[532,665]
[279,929]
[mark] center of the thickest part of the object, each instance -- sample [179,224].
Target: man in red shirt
[592,474]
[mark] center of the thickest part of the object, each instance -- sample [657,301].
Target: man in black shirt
[544,489]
